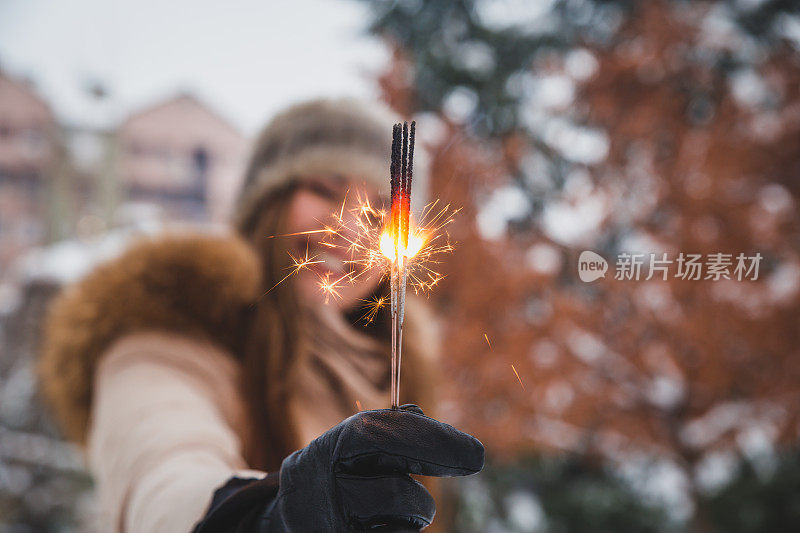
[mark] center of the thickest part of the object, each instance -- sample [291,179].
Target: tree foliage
[653,127]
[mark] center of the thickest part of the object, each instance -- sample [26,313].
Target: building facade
[28,157]
[182,156]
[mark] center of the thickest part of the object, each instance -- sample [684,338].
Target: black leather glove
[354,477]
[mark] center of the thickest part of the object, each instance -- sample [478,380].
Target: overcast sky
[245,58]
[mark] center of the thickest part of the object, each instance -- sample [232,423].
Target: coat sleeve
[163,431]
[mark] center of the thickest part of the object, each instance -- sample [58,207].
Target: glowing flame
[365,233]
[415,243]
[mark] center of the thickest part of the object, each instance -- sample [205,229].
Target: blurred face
[311,208]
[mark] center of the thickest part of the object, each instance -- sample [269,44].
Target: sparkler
[406,252]
[401,172]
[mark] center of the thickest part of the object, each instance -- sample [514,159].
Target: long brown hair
[271,341]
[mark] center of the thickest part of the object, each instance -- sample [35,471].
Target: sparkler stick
[400,178]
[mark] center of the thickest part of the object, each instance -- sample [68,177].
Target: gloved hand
[355,476]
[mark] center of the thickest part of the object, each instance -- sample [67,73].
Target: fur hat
[342,137]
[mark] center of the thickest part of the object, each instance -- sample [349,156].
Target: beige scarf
[340,372]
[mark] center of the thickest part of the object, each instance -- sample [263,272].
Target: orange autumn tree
[680,129]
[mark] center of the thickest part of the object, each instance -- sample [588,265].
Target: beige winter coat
[139,366]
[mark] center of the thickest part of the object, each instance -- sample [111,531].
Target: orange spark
[358,405]
[485,336]
[373,306]
[309,232]
[518,378]
[331,288]
[298,263]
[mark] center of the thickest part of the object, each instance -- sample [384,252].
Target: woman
[210,396]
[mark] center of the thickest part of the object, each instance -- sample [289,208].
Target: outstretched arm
[162,436]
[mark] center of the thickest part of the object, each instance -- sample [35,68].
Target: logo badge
[591,266]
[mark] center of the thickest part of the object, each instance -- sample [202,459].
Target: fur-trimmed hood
[200,285]
[196,284]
